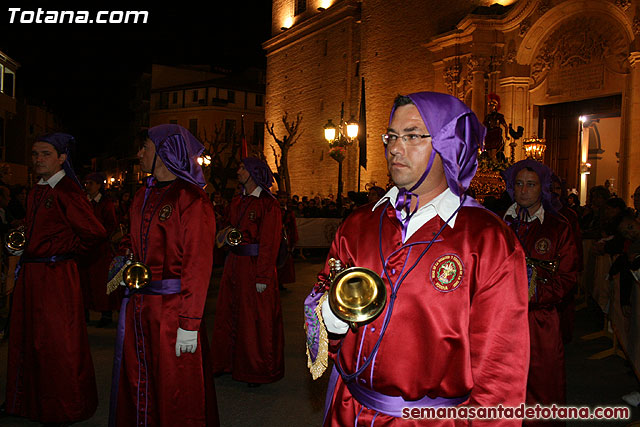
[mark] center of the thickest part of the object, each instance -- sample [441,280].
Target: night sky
[85,72]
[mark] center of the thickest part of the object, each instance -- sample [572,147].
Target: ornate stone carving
[636,26]
[525,26]
[476,63]
[451,76]
[579,42]
[623,4]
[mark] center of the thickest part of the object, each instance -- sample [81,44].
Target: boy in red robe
[50,375]
[162,373]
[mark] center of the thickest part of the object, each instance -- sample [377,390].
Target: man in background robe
[94,267]
[248,334]
[546,237]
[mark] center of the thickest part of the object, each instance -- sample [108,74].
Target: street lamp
[339,141]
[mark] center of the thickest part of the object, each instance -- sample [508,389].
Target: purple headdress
[259,172]
[63,143]
[179,151]
[550,201]
[456,135]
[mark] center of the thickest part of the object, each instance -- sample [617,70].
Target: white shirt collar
[255,193]
[443,205]
[96,199]
[54,179]
[513,212]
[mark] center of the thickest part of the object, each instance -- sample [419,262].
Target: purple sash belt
[389,405]
[250,249]
[159,287]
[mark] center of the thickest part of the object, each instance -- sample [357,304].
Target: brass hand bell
[357,295]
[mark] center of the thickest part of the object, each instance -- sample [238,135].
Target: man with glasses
[453,331]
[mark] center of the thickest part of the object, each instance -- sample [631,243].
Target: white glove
[125,264]
[186,341]
[15,253]
[333,324]
[260,287]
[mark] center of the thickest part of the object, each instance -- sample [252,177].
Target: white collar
[53,179]
[444,205]
[96,199]
[255,193]
[513,212]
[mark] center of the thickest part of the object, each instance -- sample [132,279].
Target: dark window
[8,84]
[231,96]
[195,96]
[301,6]
[258,134]
[193,127]
[175,98]
[229,130]
[164,100]
[259,100]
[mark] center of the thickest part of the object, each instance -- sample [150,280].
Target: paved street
[297,400]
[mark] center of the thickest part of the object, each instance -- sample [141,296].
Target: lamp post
[338,141]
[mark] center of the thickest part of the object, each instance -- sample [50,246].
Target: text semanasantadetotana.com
[537,412]
[41,16]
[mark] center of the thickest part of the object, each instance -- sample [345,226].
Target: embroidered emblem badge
[165,213]
[252,216]
[543,245]
[447,272]
[48,202]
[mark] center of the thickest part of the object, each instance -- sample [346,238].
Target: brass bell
[16,240]
[136,276]
[357,295]
[233,237]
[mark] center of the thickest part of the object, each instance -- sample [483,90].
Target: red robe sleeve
[199,229]
[270,237]
[78,214]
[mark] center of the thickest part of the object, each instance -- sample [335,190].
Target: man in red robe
[248,334]
[453,331]
[162,373]
[547,238]
[95,266]
[50,376]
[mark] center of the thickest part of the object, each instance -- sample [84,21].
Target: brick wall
[304,76]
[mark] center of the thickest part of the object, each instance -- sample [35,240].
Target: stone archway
[577,50]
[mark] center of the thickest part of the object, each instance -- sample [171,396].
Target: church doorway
[583,141]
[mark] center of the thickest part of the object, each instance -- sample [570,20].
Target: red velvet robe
[567,308]
[287,273]
[50,376]
[551,240]
[249,335]
[94,267]
[468,337]
[156,387]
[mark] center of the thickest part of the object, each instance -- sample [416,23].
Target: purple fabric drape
[179,151]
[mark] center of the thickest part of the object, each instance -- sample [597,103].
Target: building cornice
[320,22]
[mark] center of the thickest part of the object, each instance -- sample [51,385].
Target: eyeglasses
[411,139]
